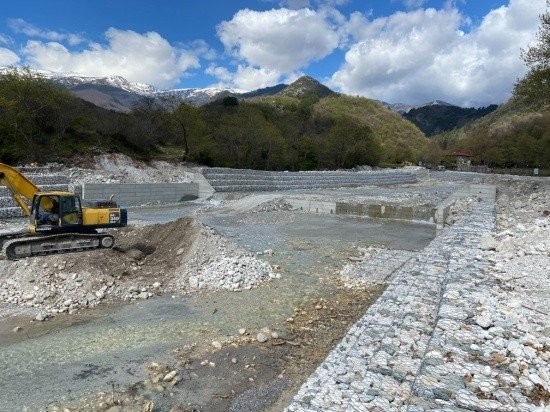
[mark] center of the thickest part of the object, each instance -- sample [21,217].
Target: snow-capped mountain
[114,81]
[70,80]
[194,96]
[402,108]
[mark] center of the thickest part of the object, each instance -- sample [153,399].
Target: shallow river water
[113,345]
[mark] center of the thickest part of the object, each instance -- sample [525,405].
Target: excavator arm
[20,188]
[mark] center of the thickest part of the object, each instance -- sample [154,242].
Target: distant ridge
[402,108]
[118,94]
[435,118]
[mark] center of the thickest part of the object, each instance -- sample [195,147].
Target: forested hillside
[305,126]
[515,135]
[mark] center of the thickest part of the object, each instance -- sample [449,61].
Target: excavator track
[55,244]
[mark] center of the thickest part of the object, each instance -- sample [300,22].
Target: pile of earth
[175,257]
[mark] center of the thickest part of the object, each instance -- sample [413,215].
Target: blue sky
[464,51]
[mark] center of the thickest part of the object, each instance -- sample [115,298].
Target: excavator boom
[19,187]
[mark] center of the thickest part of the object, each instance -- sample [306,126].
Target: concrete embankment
[447,334]
[240,180]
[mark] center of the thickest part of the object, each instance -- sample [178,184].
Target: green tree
[535,86]
[190,129]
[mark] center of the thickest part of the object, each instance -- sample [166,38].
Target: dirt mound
[145,262]
[163,245]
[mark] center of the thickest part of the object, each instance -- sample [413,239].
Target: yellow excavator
[60,223]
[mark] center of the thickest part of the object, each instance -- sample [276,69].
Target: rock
[242,331]
[42,316]
[169,376]
[17,329]
[483,320]
[261,337]
[28,296]
[180,252]
[135,254]
[157,285]
[194,282]
[217,344]
[488,242]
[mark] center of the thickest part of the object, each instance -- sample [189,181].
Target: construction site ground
[223,304]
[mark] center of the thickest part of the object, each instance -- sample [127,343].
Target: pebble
[41,316]
[169,376]
[261,337]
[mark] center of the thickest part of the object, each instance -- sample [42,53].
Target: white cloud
[147,58]
[7,57]
[270,44]
[30,30]
[421,55]
[5,39]
[245,77]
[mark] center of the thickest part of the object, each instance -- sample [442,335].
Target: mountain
[304,87]
[301,126]
[119,82]
[403,108]
[437,118]
[111,92]
[307,111]
[193,96]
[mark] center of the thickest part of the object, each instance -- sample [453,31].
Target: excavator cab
[56,211]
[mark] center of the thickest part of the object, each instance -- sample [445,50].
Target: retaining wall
[241,180]
[130,194]
[413,348]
